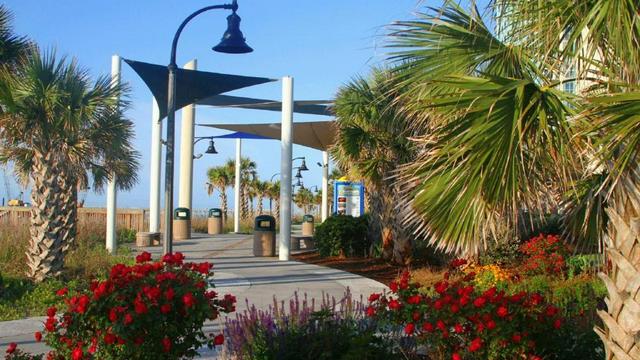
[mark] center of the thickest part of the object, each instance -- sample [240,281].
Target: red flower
[440,325]
[374,297]
[441,287]
[144,257]
[218,340]
[458,328]
[476,344]
[427,326]
[188,300]
[414,299]
[38,336]
[393,286]
[62,292]
[502,311]
[491,324]
[169,293]
[11,348]
[455,308]
[51,312]
[409,328]
[109,338]
[479,302]
[204,268]
[128,319]
[77,354]
[456,356]
[50,324]
[516,338]
[113,315]
[557,324]
[394,305]
[139,307]
[165,308]
[166,344]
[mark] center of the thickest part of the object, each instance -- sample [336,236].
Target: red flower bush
[148,310]
[462,322]
[544,254]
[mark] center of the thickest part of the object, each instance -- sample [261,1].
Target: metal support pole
[185,194]
[236,188]
[167,245]
[285,167]
[155,182]
[325,186]
[111,244]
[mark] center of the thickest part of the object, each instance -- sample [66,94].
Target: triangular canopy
[315,134]
[191,85]
[241,135]
[313,107]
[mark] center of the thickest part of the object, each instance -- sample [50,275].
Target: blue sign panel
[348,198]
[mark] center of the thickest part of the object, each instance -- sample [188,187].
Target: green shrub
[581,264]
[504,253]
[126,236]
[342,236]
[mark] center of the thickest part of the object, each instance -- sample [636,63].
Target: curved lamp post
[233,42]
[211,149]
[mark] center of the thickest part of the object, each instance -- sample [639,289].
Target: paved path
[236,272]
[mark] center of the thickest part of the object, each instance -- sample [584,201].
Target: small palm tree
[60,131]
[220,179]
[247,175]
[273,192]
[262,192]
[303,199]
[372,141]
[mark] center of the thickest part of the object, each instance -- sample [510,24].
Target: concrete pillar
[185,193]
[236,188]
[112,205]
[155,180]
[325,186]
[286,146]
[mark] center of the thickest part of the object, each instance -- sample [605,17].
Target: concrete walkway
[236,272]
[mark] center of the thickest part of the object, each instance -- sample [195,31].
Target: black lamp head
[211,149]
[304,167]
[233,41]
[299,175]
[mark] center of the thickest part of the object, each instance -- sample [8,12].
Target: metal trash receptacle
[181,223]
[307,225]
[214,221]
[264,236]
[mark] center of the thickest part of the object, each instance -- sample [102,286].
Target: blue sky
[322,44]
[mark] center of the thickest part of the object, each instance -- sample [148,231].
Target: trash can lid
[215,212]
[307,218]
[265,223]
[181,213]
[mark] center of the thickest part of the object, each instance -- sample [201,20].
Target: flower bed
[151,310]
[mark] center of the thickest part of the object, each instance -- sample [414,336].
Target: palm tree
[12,47]
[60,130]
[371,143]
[247,175]
[303,199]
[220,178]
[274,194]
[503,136]
[262,191]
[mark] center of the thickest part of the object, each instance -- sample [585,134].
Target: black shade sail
[314,134]
[313,107]
[192,85]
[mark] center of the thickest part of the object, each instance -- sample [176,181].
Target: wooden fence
[135,219]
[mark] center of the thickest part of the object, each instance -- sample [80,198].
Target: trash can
[144,239]
[264,236]
[214,222]
[181,224]
[307,225]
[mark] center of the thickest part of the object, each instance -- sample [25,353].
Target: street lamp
[303,166]
[233,42]
[211,149]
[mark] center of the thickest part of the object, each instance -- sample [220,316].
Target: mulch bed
[372,268]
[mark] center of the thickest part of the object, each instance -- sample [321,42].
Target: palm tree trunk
[402,244]
[45,256]
[260,207]
[245,202]
[223,204]
[277,208]
[621,320]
